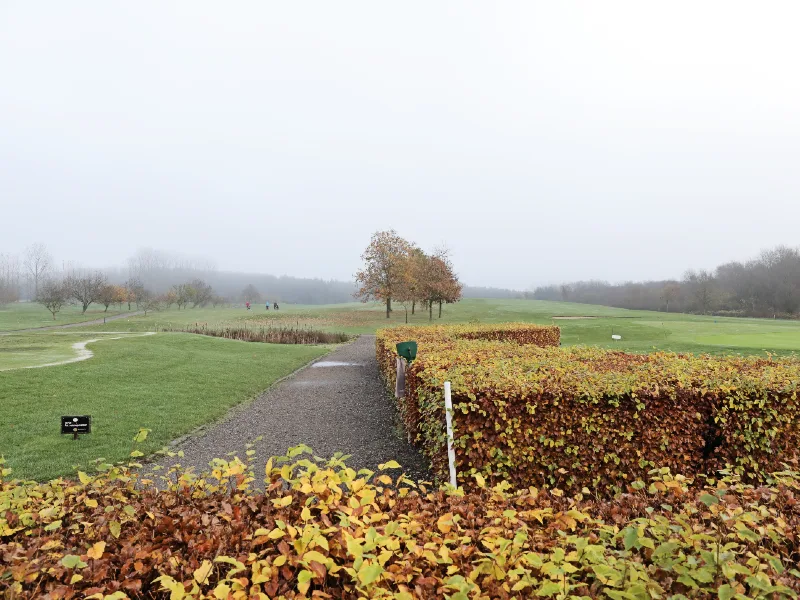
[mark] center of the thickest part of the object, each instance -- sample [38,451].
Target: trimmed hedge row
[430,338]
[322,531]
[587,417]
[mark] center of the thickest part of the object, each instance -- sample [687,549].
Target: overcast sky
[541,141]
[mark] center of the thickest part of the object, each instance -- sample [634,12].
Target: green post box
[407,350]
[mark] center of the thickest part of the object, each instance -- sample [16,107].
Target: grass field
[173,383]
[25,315]
[170,383]
[641,331]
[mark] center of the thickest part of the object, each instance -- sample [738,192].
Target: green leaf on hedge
[709,499]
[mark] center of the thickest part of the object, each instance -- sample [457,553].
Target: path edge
[234,410]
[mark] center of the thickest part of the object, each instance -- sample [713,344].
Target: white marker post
[451,453]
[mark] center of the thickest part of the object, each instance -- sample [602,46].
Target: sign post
[76,425]
[451,453]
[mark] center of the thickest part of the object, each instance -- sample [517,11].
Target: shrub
[321,530]
[271,335]
[586,417]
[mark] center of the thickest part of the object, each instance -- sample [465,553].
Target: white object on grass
[616,337]
[451,453]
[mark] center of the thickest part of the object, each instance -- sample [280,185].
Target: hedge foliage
[429,338]
[322,530]
[587,417]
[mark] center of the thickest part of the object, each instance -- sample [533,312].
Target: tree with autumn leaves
[397,270]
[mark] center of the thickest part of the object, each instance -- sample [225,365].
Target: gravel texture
[340,407]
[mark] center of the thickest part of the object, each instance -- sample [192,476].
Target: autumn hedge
[587,417]
[321,530]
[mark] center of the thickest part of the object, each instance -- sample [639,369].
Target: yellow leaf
[221,591]
[96,551]
[75,579]
[282,502]
[90,502]
[280,561]
[317,556]
[445,523]
[275,534]
[480,480]
[84,477]
[114,527]
[392,464]
[202,572]
[261,531]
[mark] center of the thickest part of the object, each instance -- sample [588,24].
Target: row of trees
[90,287]
[396,270]
[765,286]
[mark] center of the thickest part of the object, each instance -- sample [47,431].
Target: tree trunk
[430,311]
[388,306]
[440,309]
[85,306]
[413,306]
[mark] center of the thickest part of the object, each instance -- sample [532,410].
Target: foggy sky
[541,141]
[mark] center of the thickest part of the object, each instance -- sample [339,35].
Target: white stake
[451,453]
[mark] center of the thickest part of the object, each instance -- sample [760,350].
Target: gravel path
[79,324]
[338,403]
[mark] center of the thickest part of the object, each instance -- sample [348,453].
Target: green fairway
[170,383]
[41,349]
[641,331]
[25,315]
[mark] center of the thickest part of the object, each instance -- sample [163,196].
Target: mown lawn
[170,383]
[641,331]
[25,315]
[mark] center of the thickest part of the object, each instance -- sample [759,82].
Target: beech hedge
[587,417]
[319,529]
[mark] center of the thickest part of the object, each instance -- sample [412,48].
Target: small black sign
[76,424]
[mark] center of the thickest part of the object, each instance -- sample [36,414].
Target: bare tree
[670,292]
[86,287]
[134,286]
[251,294]
[9,278]
[53,295]
[182,294]
[38,263]
[201,293]
[148,301]
[702,288]
[107,296]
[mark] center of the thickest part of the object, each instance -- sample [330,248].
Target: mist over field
[542,143]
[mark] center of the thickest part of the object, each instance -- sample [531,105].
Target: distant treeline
[766,286]
[159,271]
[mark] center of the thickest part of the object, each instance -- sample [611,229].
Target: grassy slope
[642,331]
[171,383]
[43,348]
[25,315]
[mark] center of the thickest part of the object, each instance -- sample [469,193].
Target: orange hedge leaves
[323,531]
[586,417]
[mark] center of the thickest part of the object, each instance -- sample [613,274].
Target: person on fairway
[267,305]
